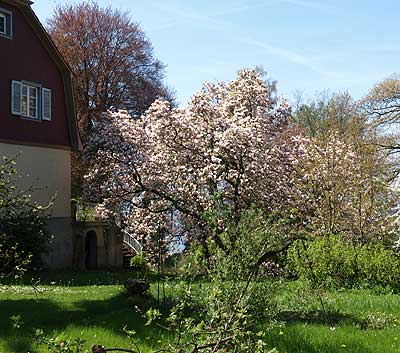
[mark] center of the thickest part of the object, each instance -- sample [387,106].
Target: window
[30,100]
[2,23]
[29,103]
[5,23]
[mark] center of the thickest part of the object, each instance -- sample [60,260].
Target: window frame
[8,23]
[2,15]
[28,87]
[39,101]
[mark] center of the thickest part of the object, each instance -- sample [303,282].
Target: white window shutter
[16,99]
[46,104]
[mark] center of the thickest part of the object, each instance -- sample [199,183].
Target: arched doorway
[91,250]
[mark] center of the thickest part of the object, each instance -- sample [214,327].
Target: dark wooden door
[91,250]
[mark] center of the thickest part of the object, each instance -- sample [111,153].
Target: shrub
[331,261]
[22,223]
[60,344]
[379,266]
[221,313]
[135,287]
[139,262]
[193,262]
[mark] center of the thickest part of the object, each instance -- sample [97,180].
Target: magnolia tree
[344,187]
[231,146]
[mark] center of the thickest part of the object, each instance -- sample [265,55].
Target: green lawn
[99,312]
[346,327]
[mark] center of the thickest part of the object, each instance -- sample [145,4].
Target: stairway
[130,248]
[127,254]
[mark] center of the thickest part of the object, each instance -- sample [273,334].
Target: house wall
[43,147]
[61,251]
[46,169]
[109,245]
[24,57]
[49,171]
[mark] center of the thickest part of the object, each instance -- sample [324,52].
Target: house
[38,125]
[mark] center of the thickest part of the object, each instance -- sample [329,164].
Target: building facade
[38,128]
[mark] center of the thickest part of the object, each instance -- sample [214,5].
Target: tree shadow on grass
[111,314]
[33,314]
[68,278]
[114,313]
[330,318]
[16,343]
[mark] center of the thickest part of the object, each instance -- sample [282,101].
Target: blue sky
[306,45]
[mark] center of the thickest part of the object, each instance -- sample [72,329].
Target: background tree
[328,111]
[112,62]
[346,174]
[343,187]
[382,106]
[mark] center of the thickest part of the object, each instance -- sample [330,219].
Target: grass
[356,321]
[65,305]
[97,312]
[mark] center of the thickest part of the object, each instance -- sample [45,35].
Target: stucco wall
[61,249]
[47,169]
[109,245]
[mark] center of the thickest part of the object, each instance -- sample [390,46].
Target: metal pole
[158,270]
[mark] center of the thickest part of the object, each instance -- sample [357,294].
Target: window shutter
[3,24]
[9,25]
[16,98]
[46,104]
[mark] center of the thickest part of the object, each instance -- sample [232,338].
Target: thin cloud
[295,58]
[214,19]
[287,54]
[240,9]
[181,17]
[320,6]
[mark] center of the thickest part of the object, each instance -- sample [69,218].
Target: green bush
[28,233]
[139,262]
[193,262]
[379,266]
[23,225]
[331,261]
